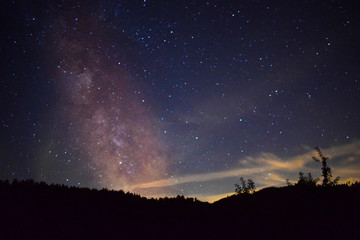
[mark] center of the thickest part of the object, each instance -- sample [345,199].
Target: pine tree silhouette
[326,171]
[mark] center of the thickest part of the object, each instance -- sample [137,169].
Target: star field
[178,97]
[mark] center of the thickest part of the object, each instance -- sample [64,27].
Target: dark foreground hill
[31,210]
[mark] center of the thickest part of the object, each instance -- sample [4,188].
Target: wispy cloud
[270,166]
[198,178]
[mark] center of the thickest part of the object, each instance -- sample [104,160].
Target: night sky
[164,98]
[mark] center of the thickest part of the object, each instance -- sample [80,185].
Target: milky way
[110,122]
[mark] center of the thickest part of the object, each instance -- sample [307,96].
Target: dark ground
[31,210]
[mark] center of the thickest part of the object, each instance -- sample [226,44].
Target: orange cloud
[267,169]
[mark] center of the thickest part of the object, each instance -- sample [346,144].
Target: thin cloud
[265,162]
[197,178]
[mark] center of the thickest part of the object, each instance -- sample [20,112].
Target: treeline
[57,193]
[31,210]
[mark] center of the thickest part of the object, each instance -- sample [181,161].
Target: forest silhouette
[305,210]
[31,210]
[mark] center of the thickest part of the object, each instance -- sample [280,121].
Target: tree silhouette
[251,186]
[240,188]
[307,180]
[326,171]
[288,183]
[245,188]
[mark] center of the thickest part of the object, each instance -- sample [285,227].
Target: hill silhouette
[31,210]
